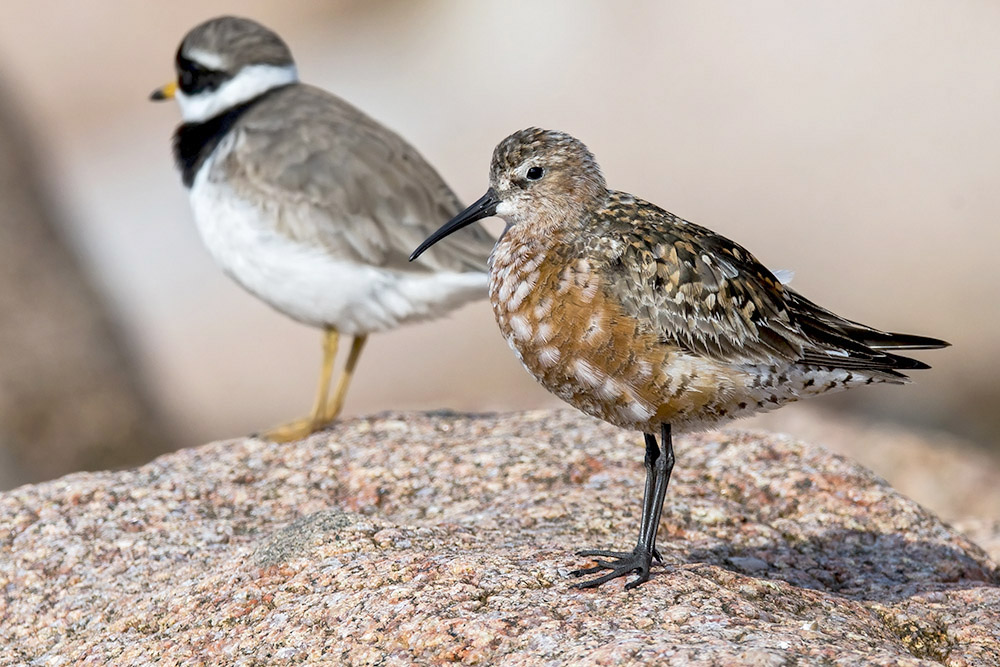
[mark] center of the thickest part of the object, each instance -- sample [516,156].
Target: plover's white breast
[311,283]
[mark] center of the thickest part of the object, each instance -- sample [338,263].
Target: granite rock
[420,539]
[954,477]
[984,532]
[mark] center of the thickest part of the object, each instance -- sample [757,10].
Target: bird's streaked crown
[534,169]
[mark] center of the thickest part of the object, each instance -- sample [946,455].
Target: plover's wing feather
[697,289]
[340,180]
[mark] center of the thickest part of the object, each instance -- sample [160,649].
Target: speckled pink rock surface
[421,539]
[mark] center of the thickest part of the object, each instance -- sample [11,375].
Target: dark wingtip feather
[897,341]
[907,364]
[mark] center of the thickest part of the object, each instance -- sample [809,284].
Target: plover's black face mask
[194,78]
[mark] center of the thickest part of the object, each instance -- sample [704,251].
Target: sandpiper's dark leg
[652,456]
[664,465]
[658,468]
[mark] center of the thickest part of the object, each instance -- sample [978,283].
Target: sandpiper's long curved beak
[166,92]
[484,207]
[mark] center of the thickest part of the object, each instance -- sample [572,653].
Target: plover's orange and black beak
[650,322]
[166,92]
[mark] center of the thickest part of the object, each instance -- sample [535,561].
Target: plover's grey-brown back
[652,323]
[308,203]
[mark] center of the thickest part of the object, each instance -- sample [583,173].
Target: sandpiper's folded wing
[703,292]
[696,289]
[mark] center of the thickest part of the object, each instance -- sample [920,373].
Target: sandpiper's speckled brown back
[640,318]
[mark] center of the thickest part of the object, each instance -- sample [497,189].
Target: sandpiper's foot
[625,562]
[293,430]
[617,554]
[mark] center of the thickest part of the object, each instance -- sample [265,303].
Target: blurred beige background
[857,143]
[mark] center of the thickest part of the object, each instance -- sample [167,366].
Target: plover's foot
[624,563]
[293,430]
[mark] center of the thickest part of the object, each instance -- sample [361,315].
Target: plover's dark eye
[192,78]
[535,173]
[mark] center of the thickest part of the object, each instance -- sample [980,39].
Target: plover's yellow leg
[337,402]
[300,428]
[331,337]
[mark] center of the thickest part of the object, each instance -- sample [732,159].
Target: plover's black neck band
[194,142]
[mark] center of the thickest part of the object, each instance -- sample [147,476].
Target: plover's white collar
[248,83]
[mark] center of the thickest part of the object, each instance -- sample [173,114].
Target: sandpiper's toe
[616,554]
[623,563]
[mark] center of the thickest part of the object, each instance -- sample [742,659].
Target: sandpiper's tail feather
[847,344]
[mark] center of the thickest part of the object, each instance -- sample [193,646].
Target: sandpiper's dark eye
[535,173]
